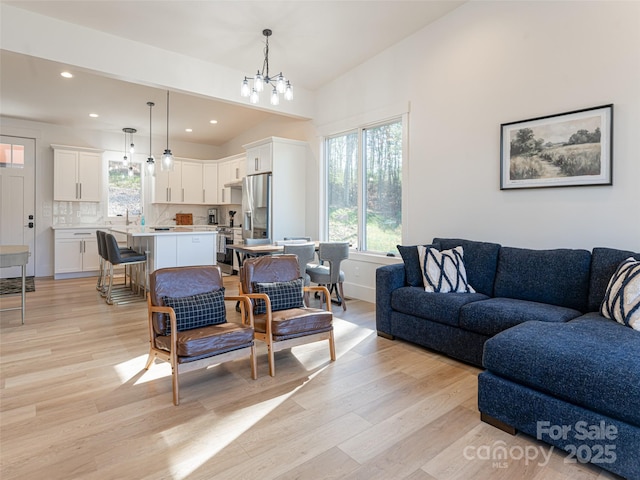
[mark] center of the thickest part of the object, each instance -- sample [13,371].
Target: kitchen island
[172,246]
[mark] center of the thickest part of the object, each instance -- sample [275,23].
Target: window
[125,188]
[364,187]
[11,156]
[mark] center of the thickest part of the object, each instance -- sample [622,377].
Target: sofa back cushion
[557,277]
[480,261]
[604,262]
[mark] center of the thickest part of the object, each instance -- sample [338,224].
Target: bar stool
[116,258]
[101,285]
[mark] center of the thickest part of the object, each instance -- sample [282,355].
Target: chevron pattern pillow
[197,311]
[622,298]
[443,271]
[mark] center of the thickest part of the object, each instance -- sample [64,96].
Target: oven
[224,255]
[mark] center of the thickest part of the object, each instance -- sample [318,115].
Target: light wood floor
[77,404]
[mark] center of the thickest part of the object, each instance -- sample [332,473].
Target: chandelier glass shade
[278,84]
[151,163]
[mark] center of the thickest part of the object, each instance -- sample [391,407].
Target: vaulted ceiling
[313,43]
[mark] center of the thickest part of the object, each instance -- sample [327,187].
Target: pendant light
[151,163]
[130,131]
[166,163]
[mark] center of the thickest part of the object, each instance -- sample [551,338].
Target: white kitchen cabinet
[210,183]
[167,186]
[286,161]
[77,174]
[76,253]
[192,183]
[228,173]
[260,159]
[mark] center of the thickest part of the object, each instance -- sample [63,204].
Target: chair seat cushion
[213,339]
[295,322]
[320,274]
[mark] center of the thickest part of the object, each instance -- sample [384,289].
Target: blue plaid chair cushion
[200,310]
[283,295]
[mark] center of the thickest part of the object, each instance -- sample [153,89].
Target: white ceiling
[313,42]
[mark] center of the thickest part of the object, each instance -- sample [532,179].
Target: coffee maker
[213,216]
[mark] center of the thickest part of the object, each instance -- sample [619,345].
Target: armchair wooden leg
[332,347]
[150,360]
[176,392]
[272,361]
[254,363]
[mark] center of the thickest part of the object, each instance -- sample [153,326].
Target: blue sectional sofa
[554,367]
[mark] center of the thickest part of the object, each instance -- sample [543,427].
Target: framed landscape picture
[563,150]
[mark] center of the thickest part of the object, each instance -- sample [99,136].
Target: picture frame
[563,150]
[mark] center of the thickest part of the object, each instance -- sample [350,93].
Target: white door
[17,198]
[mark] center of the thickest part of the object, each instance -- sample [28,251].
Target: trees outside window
[125,188]
[364,187]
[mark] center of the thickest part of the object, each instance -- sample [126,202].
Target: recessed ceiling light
[213,122]
[189,130]
[94,115]
[67,74]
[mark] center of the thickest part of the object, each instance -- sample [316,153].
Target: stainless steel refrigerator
[256,206]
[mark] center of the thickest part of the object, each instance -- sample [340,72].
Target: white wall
[489,63]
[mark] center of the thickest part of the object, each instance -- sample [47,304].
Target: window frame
[403,119]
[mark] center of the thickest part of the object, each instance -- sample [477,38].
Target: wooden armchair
[280,319]
[187,322]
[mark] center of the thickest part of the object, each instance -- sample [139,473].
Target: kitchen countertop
[138,231]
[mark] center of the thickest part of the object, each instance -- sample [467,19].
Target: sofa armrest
[388,279]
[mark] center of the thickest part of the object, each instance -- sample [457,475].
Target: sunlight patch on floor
[216,437]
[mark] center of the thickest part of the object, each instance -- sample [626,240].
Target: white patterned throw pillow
[443,271]
[622,298]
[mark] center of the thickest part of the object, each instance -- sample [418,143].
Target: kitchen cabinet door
[210,175]
[77,176]
[68,256]
[192,183]
[90,176]
[167,186]
[260,159]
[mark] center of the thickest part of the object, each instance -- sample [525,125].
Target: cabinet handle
[237,173]
[168,195]
[223,195]
[256,164]
[81,243]
[80,190]
[183,194]
[203,196]
[77,191]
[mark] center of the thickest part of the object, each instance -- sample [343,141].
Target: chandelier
[279,83]
[151,162]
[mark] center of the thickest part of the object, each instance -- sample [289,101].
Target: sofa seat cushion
[199,342]
[295,322]
[438,307]
[591,362]
[497,314]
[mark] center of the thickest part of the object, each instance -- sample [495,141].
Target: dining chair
[332,253]
[305,253]
[188,323]
[280,319]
